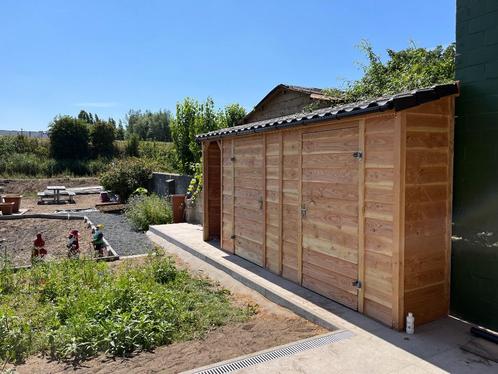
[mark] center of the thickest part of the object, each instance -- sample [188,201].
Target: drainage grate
[277,353]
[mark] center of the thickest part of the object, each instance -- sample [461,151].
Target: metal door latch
[358,155]
[356,284]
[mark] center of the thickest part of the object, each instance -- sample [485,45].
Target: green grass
[73,310]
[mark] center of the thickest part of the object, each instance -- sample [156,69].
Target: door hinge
[232,237]
[358,155]
[357,283]
[303,211]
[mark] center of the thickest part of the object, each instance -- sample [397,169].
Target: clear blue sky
[108,56]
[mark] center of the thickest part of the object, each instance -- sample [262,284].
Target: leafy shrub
[102,135]
[75,309]
[125,176]
[69,138]
[143,211]
[132,145]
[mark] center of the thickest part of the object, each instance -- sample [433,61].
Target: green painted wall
[474,286]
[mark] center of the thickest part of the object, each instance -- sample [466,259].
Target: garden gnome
[39,250]
[73,244]
[98,241]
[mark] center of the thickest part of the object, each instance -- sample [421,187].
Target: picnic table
[57,192]
[54,194]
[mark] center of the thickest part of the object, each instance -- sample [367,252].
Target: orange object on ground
[178,204]
[13,198]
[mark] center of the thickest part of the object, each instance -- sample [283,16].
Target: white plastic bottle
[410,323]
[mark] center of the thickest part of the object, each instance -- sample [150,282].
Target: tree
[85,117]
[232,115]
[182,129]
[132,146]
[120,132]
[102,135]
[149,125]
[404,70]
[69,138]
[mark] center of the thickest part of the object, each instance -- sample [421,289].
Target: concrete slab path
[374,348]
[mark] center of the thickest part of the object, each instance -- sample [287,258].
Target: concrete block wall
[160,187]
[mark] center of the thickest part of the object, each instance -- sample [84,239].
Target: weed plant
[76,309]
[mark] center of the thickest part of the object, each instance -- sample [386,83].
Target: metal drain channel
[277,353]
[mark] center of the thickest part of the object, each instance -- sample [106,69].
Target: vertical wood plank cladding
[329,226]
[299,204]
[429,153]
[273,200]
[205,213]
[214,191]
[220,144]
[290,209]
[264,199]
[399,217]
[227,227]
[361,216]
[280,207]
[379,204]
[249,198]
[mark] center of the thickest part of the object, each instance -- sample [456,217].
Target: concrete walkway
[374,348]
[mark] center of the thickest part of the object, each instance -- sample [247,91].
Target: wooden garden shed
[352,202]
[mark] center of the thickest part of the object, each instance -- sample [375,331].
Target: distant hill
[31,134]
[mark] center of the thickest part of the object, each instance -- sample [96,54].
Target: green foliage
[120,132]
[26,164]
[102,135]
[182,132]
[76,309]
[195,186]
[69,138]
[404,70]
[193,118]
[149,125]
[143,211]
[125,176]
[232,115]
[132,146]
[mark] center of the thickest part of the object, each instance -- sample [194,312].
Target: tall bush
[69,138]
[125,176]
[102,135]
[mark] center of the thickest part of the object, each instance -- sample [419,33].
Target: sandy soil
[19,235]
[29,187]
[261,332]
[32,186]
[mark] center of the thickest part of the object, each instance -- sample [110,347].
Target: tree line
[87,136]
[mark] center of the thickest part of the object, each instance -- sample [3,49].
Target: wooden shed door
[249,195]
[330,213]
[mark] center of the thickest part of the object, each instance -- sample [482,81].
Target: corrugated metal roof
[397,102]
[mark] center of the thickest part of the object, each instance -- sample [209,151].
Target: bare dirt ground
[32,186]
[29,187]
[20,233]
[271,326]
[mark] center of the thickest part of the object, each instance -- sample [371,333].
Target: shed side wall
[428,181]
[227,228]
[378,217]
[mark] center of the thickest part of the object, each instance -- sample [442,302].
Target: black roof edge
[397,102]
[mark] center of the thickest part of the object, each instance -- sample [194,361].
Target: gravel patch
[119,234]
